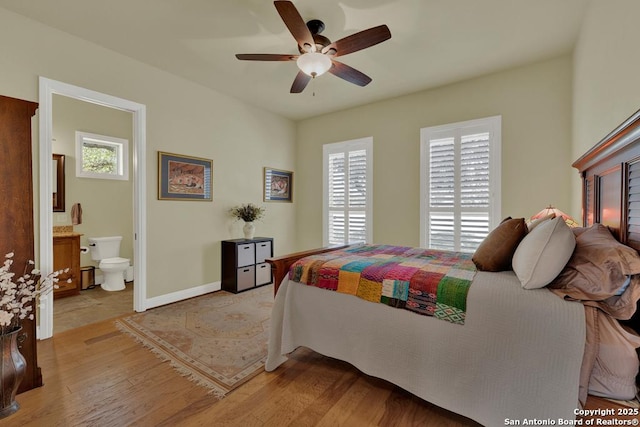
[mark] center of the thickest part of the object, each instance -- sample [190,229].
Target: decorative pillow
[543,253]
[496,250]
[599,266]
[578,230]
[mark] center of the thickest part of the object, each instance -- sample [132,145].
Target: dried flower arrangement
[16,295]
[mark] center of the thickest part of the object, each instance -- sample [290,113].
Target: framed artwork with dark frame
[58,182]
[278,185]
[184,177]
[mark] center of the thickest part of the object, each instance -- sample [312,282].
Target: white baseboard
[182,295]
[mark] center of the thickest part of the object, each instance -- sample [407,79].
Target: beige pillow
[543,253]
[496,250]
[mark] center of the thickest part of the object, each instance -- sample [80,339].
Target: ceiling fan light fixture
[317,52]
[314,64]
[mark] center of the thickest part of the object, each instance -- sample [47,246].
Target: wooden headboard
[610,174]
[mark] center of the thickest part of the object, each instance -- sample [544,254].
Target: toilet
[106,251]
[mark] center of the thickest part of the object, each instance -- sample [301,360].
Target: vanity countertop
[64,231]
[66,234]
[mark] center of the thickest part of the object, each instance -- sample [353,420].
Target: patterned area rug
[218,340]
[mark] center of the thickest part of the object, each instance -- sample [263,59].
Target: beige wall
[606,90]
[551,113]
[107,204]
[535,104]
[183,244]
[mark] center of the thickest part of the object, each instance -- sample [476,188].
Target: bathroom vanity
[66,254]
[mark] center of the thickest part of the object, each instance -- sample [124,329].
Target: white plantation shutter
[337,197]
[442,193]
[460,183]
[348,183]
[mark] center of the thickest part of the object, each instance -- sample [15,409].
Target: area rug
[218,340]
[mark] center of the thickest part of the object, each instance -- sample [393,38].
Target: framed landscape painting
[278,185]
[184,177]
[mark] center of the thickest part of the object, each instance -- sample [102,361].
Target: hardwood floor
[98,376]
[92,305]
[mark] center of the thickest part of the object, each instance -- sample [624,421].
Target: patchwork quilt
[425,281]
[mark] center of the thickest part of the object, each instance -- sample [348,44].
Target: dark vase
[12,369]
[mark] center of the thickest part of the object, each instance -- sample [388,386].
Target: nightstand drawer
[246,254]
[263,251]
[263,274]
[246,278]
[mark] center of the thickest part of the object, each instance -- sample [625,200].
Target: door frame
[47,88]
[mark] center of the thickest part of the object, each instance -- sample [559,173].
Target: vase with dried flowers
[17,297]
[248,213]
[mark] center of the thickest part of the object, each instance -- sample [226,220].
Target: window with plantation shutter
[347,191]
[460,184]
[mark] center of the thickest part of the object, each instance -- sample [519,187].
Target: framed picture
[184,177]
[278,185]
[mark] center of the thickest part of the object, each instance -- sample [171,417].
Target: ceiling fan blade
[300,82]
[265,57]
[358,41]
[296,25]
[349,74]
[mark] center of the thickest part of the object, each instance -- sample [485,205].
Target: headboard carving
[633,203]
[610,174]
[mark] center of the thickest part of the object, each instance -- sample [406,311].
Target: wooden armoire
[16,221]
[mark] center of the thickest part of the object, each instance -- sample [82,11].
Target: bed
[520,354]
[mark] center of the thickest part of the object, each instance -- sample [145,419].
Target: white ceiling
[434,42]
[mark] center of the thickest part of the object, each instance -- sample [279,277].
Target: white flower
[5,318]
[17,296]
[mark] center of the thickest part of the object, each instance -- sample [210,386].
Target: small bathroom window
[100,156]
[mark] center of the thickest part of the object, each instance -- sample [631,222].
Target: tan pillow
[578,231]
[543,253]
[496,250]
[599,266]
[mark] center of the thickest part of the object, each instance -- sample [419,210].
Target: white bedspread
[517,357]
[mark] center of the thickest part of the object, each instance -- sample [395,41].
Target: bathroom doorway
[98,203]
[137,215]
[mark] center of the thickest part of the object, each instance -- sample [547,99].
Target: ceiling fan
[317,52]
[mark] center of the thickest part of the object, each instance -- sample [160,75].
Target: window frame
[366,144]
[122,155]
[492,125]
